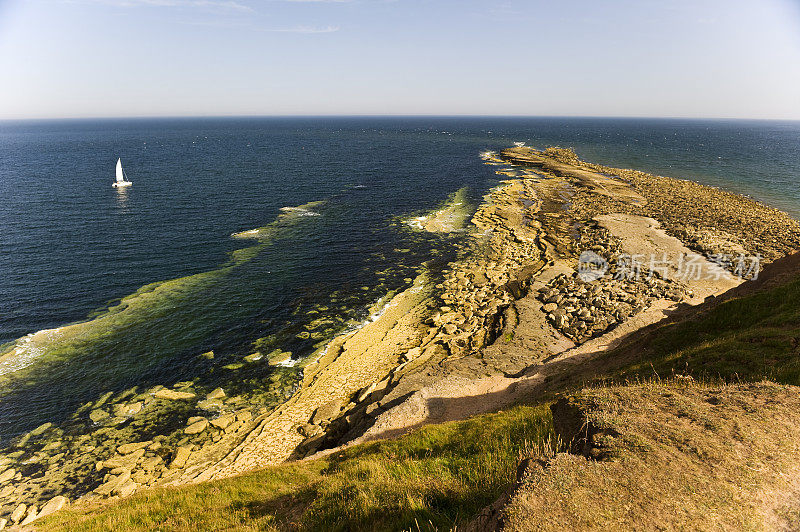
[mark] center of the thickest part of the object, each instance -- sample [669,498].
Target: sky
[671,58]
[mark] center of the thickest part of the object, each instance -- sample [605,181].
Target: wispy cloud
[307,29]
[217,23]
[213,4]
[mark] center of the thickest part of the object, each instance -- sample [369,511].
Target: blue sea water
[70,244]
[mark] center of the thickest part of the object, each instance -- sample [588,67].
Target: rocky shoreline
[514,298]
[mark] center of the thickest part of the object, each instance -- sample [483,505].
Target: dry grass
[666,455]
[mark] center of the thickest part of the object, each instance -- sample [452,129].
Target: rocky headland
[517,310]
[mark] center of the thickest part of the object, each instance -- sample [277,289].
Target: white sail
[120,176]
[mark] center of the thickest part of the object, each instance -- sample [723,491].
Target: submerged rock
[98,415]
[125,410]
[206,404]
[279,357]
[254,357]
[40,429]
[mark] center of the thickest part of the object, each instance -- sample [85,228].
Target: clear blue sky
[695,58]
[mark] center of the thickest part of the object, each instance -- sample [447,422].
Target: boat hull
[122,184]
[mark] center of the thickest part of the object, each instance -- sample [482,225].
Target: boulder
[18,512]
[173,395]
[218,393]
[233,427]
[142,477]
[364,393]
[197,428]
[53,505]
[132,447]
[413,353]
[181,456]
[30,517]
[7,475]
[450,328]
[308,430]
[126,461]
[3,523]
[127,489]
[222,422]
[113,483]
[150,464]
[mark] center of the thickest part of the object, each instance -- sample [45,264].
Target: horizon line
[377,115]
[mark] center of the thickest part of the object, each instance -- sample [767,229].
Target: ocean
[74,249]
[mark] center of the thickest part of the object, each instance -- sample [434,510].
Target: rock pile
[582,310]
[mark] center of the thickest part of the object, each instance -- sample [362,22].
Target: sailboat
[121,182]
